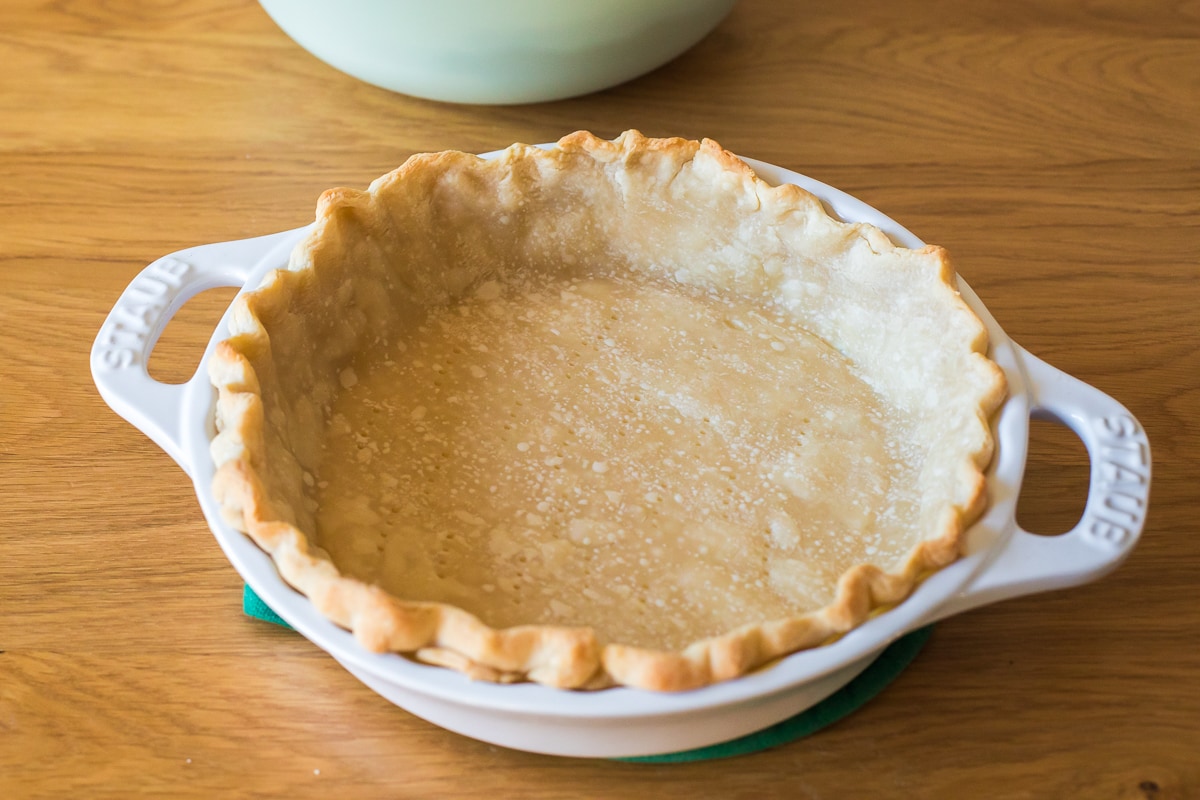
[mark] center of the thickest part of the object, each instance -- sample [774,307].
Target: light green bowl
[496,51]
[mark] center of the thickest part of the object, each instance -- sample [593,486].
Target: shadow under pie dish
[611,413]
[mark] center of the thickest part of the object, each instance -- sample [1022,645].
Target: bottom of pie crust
[653,460]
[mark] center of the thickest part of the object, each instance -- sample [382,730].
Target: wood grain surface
[1052,145]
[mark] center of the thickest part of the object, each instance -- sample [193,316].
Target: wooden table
[1052,145]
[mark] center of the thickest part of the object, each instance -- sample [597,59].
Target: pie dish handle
[1117,501]
[121,352]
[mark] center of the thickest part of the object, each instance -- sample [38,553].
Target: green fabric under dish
[868,683]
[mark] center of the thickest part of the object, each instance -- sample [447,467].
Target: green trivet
[868,683]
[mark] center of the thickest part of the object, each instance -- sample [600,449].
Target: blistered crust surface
[429,235]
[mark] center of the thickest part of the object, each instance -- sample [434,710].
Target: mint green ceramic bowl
[496,51]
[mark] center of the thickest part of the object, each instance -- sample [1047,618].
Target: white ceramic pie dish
[1002,561]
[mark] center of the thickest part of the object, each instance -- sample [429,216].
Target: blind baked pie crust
[614,413]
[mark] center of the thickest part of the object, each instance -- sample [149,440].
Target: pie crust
[612,413]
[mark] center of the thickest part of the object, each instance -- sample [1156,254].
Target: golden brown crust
[272,382]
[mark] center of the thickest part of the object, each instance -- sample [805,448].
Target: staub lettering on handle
[123,341]
[1122,482]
